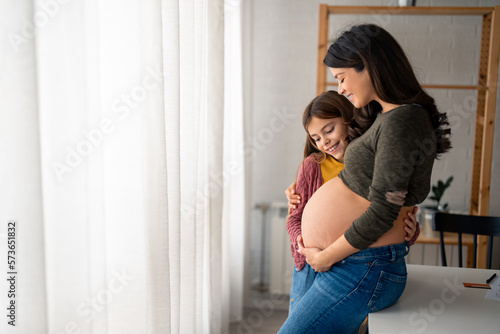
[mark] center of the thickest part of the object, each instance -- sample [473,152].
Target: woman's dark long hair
[392,77]
[329,104]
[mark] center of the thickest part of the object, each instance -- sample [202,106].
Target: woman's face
[356,86]
[330,136]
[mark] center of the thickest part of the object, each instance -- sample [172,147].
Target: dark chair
[475,225]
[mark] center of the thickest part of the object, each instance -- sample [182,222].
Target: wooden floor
[257,322]
[265,315]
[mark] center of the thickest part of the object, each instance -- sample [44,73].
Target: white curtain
[120,127]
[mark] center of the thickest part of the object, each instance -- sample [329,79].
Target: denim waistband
[392,251]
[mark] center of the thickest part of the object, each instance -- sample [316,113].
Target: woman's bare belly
[333,208]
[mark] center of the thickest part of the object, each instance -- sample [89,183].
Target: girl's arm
[308,181]
[412,227]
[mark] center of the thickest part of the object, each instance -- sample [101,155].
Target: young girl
[349,228]
[325,120]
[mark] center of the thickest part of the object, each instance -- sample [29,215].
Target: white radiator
[281,263]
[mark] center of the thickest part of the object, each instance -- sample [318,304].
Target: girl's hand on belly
[313,257]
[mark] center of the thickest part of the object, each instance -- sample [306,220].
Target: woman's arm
[322,261]
[403,155]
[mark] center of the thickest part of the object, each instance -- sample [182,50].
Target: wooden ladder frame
[486,88]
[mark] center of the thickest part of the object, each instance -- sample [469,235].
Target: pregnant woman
[325,120]
[349,234]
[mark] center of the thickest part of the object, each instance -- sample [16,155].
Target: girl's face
[356,86]
[330,136]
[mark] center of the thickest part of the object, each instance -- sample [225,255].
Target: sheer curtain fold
[20,179]
[131,207]
[199,72]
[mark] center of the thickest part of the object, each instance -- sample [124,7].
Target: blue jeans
[301,282]
[340,299]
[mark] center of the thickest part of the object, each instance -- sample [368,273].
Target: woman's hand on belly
[313,257]
[323,260]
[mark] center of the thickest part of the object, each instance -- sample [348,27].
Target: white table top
[435,301]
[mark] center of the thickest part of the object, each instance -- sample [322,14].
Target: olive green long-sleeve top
[390,165]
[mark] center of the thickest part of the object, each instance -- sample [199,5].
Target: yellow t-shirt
[330,168]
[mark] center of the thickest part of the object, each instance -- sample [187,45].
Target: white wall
[442,49]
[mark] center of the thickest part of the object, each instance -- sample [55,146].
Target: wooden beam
[479,122]
[432,86]
[322,48]
[391,10]
[488,128]
[489,113]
